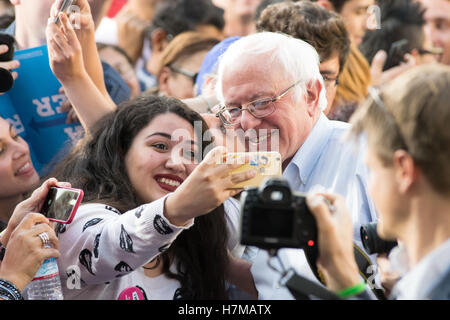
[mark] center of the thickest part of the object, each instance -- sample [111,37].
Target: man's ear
[406,171]
[313,90]
[326,4]
[15,2]
[163,80]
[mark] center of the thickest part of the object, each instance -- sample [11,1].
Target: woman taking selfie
[152,220]
[142,198]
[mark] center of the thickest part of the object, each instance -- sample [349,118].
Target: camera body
[372,242]
[275,217]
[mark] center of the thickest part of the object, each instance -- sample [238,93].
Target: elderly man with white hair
[269,86]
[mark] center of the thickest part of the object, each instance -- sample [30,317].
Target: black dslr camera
[372,242]
[275,217]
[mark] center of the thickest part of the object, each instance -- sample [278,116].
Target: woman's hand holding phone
[32,204]
[81,18]
[208,186]
[61,204]
[25,252]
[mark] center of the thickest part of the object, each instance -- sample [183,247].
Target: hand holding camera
[274,217]
[335,235]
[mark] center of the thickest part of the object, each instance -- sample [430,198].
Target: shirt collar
[418,282]
[306,157]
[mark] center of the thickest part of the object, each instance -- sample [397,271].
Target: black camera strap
[364,265]
[311,256]
[362,260]
[302,288]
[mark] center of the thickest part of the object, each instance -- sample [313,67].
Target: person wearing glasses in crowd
[181,62]
[174,17]
[263,84]
[324,30]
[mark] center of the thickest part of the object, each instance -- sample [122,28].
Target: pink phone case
[75,207]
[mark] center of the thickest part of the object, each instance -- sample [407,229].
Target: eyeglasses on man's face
[259,108]
[191,75]
[330,81]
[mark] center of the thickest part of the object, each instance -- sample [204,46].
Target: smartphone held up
[65,6]
[61,204]
[266,165]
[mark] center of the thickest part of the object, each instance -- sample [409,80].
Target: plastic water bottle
[46,284]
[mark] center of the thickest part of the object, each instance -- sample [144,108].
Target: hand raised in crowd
[66,106]
[335,237]
[130,32]
[380,77]
[32,204]
[81,19]
[205,189]
[65,54]
[81,24]
[84,27]
[25,252]
[87,96]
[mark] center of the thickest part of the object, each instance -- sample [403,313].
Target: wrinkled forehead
[250,83]
[260,71]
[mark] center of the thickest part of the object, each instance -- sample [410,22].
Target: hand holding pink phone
[61,204]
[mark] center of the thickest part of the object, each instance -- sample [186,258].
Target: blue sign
[33,106]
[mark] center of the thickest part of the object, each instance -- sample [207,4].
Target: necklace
[158,262]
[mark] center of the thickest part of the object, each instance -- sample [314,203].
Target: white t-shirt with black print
[101,248]
[103,251]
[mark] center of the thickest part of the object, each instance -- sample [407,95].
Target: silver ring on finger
[45,239]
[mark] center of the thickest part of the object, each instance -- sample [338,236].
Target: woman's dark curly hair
[97,165]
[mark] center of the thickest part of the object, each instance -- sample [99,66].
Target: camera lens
[372,242]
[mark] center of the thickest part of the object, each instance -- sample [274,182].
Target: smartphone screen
[266,164]
[64,8]
[61,204]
